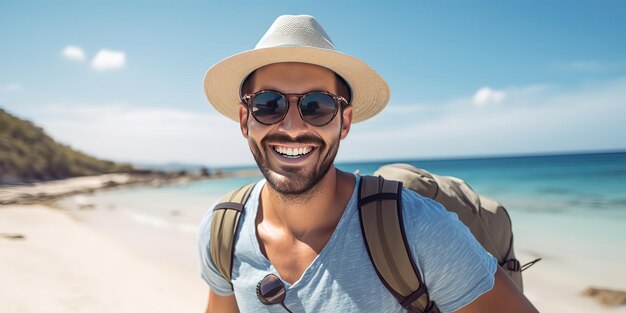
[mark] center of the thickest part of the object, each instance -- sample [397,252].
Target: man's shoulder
[415,203]
[422,214]
[205,224]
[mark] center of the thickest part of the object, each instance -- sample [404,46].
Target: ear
[243,121]
[346,121]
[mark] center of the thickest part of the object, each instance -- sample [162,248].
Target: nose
[293,123]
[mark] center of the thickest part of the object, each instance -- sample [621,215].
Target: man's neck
[311,215]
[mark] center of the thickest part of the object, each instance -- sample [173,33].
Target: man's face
[288,175]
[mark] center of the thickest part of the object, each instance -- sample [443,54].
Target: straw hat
[295,38]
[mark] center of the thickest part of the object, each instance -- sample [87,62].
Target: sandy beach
[62,265]
[64,258]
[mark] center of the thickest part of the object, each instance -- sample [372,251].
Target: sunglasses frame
[248,98]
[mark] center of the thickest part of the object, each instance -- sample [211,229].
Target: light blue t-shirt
[456,269]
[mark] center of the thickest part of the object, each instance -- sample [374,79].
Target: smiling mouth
[292,152]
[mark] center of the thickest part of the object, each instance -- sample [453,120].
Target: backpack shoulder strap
[380,213]
[223,227]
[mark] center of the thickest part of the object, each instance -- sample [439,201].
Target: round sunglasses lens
[269,107]
[271,290]
[318,108]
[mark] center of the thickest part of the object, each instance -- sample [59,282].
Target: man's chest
[290,256]
[337,277]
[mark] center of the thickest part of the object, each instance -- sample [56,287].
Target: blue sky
[123,79]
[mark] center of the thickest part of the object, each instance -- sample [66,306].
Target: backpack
[381,225]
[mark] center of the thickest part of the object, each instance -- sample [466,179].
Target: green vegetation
[27,154]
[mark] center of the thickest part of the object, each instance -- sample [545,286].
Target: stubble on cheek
[299,183]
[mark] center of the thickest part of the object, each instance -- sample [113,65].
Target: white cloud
[11,87]
[145,134]
[536,118]
[485,96]
[73,53]
[108,60]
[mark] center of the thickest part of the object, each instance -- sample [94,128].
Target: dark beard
[298,186]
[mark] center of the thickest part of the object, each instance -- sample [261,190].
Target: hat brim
[222,82]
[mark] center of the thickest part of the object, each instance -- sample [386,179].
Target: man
[295,98]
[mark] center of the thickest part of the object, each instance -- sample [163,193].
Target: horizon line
[452,158]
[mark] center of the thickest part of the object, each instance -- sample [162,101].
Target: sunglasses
[271,290]
[316,108]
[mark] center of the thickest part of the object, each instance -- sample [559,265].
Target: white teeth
[292,152]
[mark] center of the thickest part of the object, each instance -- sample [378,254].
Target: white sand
[64,266]
[98,261]
[555,288]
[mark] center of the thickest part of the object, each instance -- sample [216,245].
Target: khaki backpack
[383,232]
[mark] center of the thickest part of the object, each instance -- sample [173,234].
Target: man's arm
[503,297]
[219,304]
[210,274]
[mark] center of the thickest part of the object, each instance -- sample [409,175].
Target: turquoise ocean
[567,209]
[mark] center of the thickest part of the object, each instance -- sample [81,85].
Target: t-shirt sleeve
[209,272]
[455,268]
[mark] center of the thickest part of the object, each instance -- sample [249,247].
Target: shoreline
[60,257]
[45,192]
[69,258]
